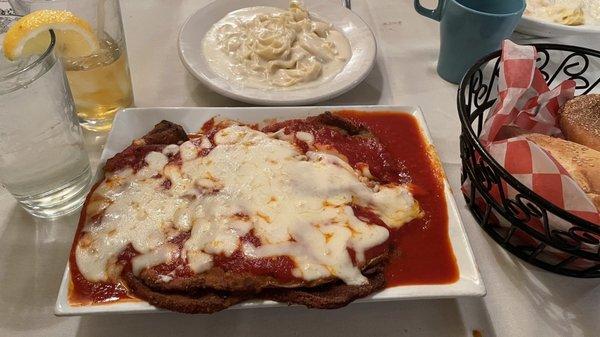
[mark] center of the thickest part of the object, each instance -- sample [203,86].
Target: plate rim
[201,76]
[463,287]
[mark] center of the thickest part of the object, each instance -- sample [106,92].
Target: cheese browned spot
[298,205]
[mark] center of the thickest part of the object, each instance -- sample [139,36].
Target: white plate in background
[537,27]
[133,123]
[358,33]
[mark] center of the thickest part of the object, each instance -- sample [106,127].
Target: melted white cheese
[268,47]
[297,205]
[306,137]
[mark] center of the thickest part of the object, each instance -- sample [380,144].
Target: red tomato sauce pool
[424,252]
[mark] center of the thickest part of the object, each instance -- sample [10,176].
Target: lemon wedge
[30,36]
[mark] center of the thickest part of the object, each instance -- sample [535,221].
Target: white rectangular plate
[133,123]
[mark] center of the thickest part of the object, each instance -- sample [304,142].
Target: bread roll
[580,120]
[582,162]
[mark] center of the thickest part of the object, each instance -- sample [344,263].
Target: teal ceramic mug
[469,30]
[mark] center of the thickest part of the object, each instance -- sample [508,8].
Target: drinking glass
[43,163]
[100,83]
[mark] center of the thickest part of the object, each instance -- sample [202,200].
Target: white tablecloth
[521,301]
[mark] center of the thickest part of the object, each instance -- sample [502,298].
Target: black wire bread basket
[571,248]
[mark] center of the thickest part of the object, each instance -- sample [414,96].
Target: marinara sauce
[424,252]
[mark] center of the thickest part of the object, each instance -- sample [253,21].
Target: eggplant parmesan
[300,211]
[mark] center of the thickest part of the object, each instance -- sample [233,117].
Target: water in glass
[43,163]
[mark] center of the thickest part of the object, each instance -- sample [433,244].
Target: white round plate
[361,39]
[538,27]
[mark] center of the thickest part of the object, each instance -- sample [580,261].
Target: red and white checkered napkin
[524,99]
[535,168]
[525,102]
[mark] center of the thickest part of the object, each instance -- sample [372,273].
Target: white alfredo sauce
[297,205]
[268,47]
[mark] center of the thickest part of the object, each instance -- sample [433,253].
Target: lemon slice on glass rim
[30,36]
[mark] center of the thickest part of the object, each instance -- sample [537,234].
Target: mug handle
[435,14]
